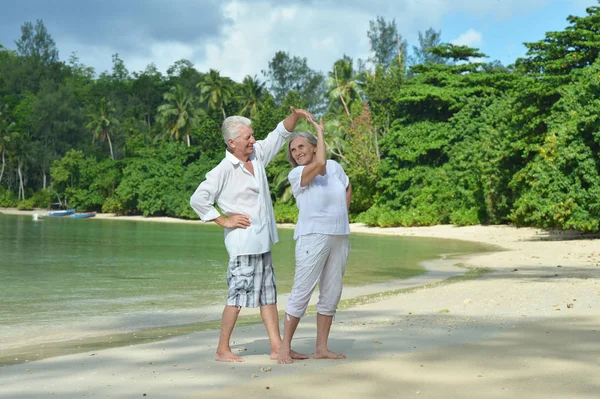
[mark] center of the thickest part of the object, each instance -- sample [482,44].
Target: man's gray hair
[308,136]
[231,127]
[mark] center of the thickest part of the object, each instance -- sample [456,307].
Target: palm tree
[216,91]
[101,122]
[343,84]
[253,92]
[336,139]
[178,113]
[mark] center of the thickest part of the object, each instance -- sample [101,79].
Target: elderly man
[240,188]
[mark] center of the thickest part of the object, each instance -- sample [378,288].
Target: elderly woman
[323,193]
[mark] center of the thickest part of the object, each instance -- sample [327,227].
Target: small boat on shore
[83,215]
[64,212]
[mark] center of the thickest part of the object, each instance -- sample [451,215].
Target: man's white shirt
[233,188]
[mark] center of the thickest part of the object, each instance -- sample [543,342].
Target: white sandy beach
[528,329]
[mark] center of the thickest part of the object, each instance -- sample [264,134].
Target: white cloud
[259,30]
[246,46]
[324,31]
[470,38]
[321,31]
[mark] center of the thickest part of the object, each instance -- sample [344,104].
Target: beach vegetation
[433,133]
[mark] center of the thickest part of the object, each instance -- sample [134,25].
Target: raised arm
[269,147]
[292,120]
[311,170]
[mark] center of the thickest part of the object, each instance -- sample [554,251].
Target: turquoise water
[63,279]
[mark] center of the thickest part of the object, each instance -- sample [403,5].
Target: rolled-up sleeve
[203,199]
[269,147]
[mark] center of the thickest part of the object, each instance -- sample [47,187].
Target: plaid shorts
[251,281]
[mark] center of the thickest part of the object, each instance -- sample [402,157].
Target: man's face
[243,145]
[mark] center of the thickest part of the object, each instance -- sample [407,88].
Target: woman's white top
[322,203]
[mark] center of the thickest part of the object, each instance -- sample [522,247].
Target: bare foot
[228,357]
[293,354]
[298,356]
[284,357]
[328,355]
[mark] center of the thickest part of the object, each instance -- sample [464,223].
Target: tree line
[430,135]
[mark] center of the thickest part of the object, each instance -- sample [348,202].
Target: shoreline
[466,233]
[439,271]
[529,325]
[57,344]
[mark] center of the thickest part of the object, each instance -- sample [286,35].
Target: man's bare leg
[289,328]
[271,319]
[323,328]
[224,353]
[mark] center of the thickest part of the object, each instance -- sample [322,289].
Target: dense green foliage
[435,137]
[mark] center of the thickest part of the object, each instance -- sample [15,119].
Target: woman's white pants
[320,258]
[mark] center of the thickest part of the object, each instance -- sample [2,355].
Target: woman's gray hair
[231,127]
[308,136]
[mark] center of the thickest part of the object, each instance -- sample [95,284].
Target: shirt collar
[234,160]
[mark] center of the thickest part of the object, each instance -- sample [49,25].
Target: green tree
[178,114]
[116,87]
[422,178]
[38,57]
[65,174]
[559,53]
[428,40]
[36,42]
[216,91]
[548,64]
[22,144]
[251,97]
[159,179]
[8,60]
[482,159]
[386,43]
[7,127]
[80,79]
[288,73]
[101,122]
[183,72]
[381,89]
[146,95]
[361,160]
[560,186]
[119,73]
[343,85]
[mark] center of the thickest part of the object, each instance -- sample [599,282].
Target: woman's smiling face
[302,151]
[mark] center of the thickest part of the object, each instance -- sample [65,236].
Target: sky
[240,37]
